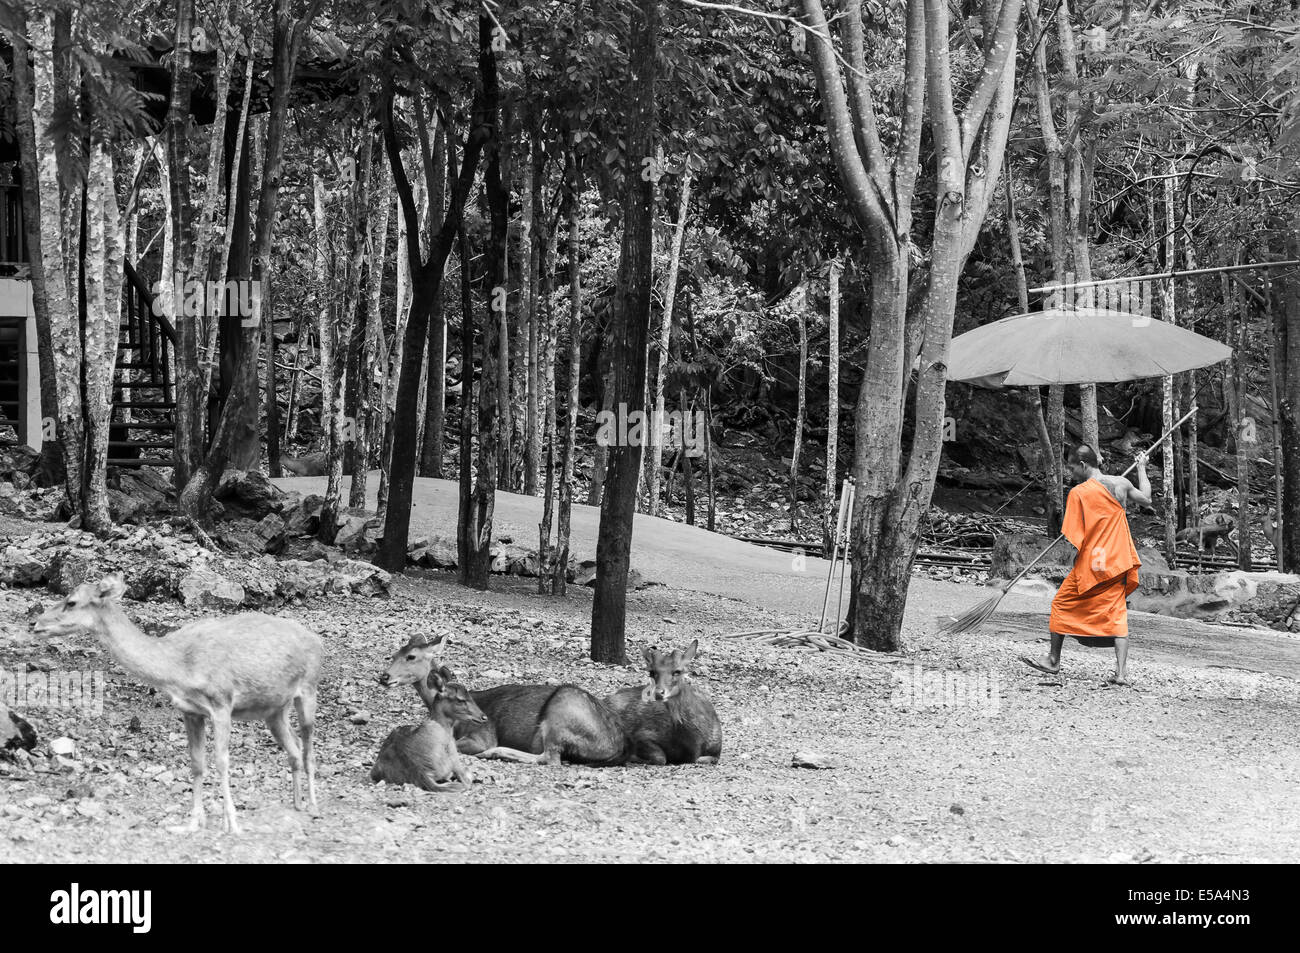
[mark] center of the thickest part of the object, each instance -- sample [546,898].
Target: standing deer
[530,724]
[425,755]
[246,667]
[669,721]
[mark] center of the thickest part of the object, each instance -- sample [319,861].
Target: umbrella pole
[835,549]
[848,538]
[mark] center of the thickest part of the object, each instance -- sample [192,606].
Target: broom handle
[1037,559]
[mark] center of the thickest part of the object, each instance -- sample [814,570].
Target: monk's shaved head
[1086,455]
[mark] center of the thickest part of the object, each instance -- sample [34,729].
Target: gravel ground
[1190,764]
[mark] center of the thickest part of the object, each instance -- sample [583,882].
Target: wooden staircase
[144,390]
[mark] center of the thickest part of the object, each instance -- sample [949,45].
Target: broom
[972,619]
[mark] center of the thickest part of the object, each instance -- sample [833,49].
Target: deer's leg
[647,752]
[194,726]
[221,744]
[508,754]
[279,725]
[306,705]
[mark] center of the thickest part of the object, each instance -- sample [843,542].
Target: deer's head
[80,611]
[459,705]
[418,660]
[668,671]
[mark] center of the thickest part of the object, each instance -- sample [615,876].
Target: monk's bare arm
[1140,495]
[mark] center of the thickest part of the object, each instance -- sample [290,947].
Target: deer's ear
[441,643]
[110,587]
[418,639]
[689,652]
[648,654]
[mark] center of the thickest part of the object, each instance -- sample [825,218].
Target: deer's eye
[410,658]
[69,604]
[677,671]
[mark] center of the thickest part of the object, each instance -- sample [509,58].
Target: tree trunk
[427,279]
[1168,454]
[830,498]
[631,320]
[103,276]
[235,413]
[435,395]
[560,562]
[798,422]
[60,291]
[665,332]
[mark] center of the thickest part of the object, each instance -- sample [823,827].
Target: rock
[125,508]
[248,493]
[204,588]
[584,574]
[350,536]
[442,553]
[1013,551]
[20,566]
[304,519]
[1152,559]
[64,747]
[355,576]
[271,531]
[303,578]
[70,568]
[19,460]
[810,758]
[15,731]
[360,718]
[240,535]
[308,549]
[149,486]
[513,559]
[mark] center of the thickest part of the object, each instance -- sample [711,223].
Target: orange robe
[1091,603]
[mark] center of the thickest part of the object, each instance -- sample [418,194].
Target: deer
[245,667]
[425,755]
[527,724]
[669,720]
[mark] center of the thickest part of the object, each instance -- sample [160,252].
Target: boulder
[584,574]
[248,493]
[1012,552]
[352,575]
[271,532]
[304,519]
[350,536]
[240,536]
[125,508]
[19,460]
[70,568]
[513,559]
[205,588]
[149,487]
[15,731]
[20,566]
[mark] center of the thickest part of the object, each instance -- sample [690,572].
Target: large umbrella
[1084,346]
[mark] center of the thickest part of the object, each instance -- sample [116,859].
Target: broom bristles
[972,619]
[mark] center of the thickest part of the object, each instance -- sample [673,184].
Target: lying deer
[425,755]
[246,667]
[530,724]
[669,721]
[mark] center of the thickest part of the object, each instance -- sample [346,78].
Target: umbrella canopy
[1083,346]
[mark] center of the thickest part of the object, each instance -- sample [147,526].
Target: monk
[1091,605]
